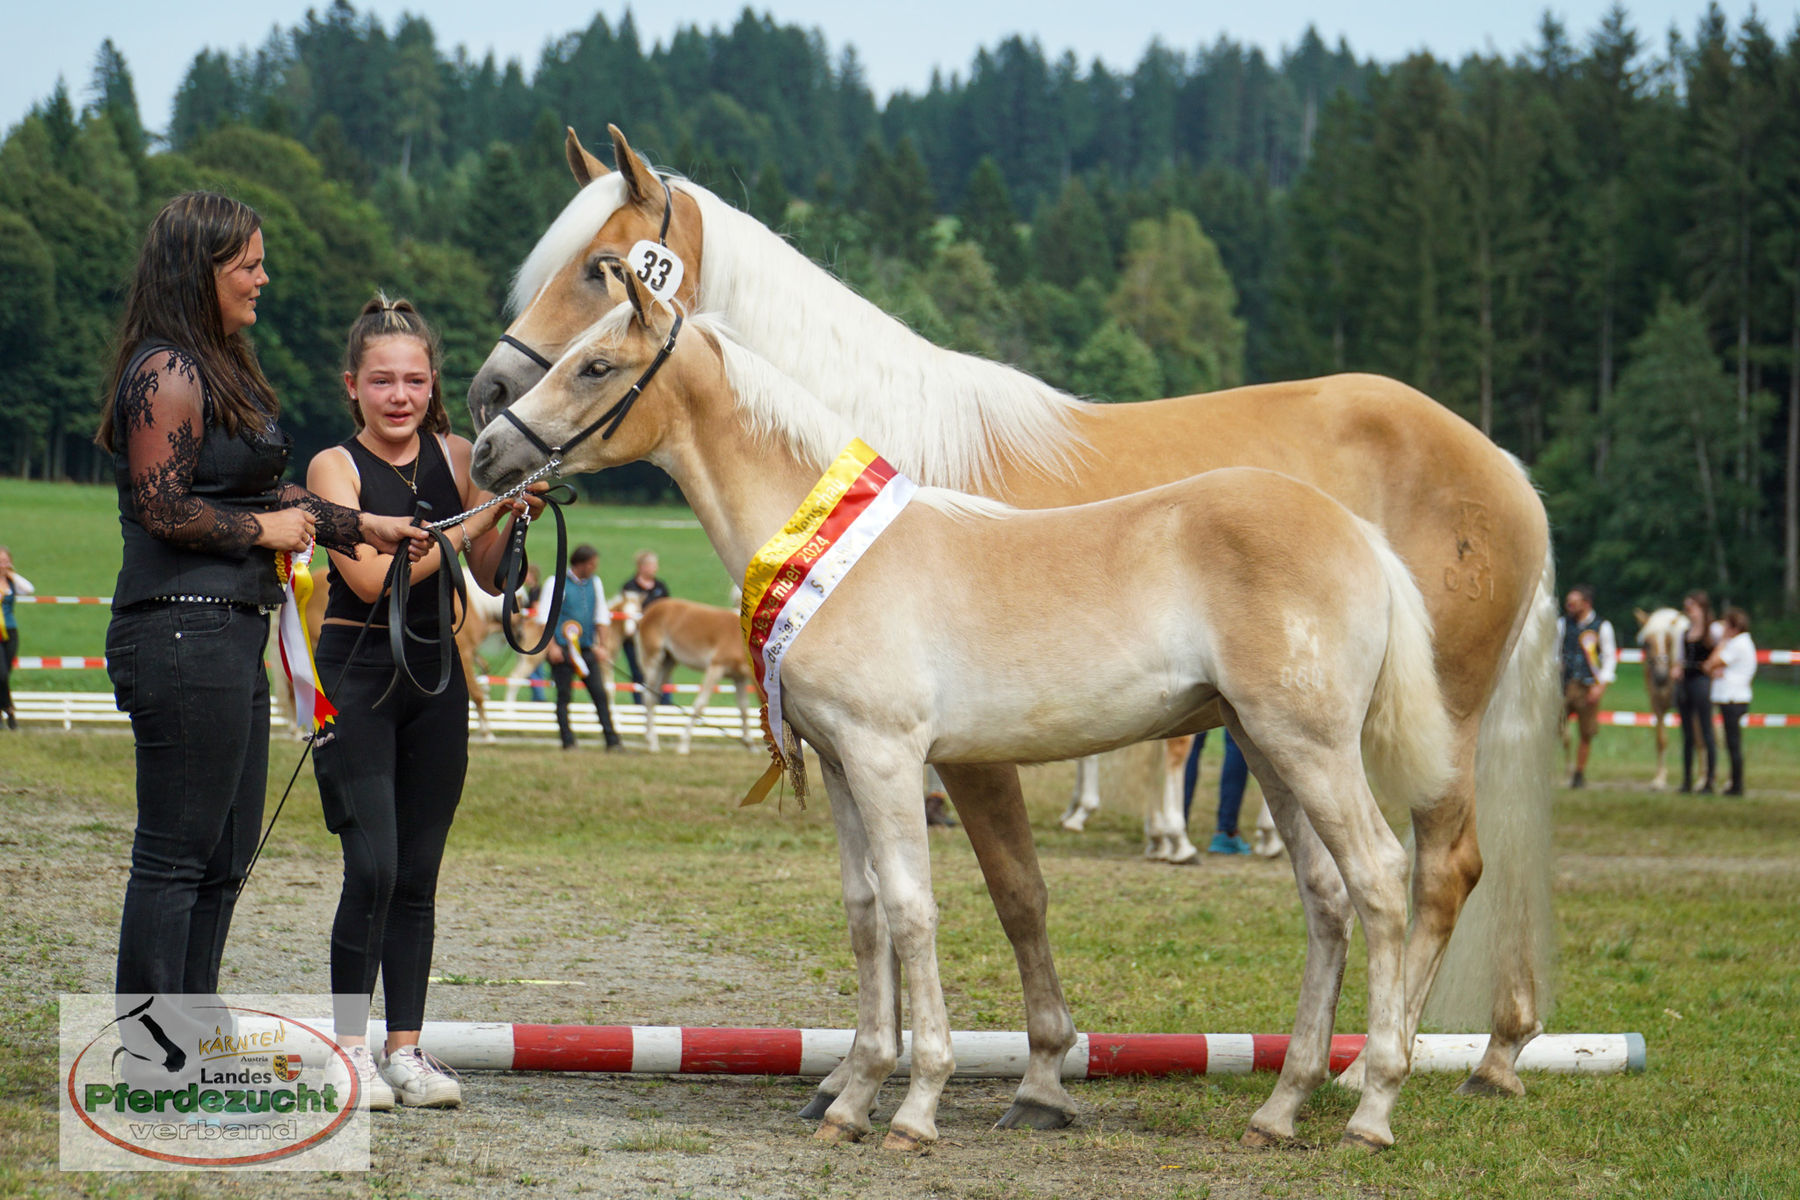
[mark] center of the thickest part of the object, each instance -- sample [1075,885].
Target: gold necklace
[412,485]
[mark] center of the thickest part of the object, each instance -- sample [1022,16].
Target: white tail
[1504,943]
[1406,738]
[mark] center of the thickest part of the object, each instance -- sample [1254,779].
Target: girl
[1732,667]
[11,584]
[392,775]
[1693,695]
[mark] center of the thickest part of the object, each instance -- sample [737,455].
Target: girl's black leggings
[390,779]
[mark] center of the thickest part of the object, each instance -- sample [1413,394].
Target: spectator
[575,649]
[1693,689]
[1590,660]
[646,589]
[12,584]
[1732,667]
[1233,776]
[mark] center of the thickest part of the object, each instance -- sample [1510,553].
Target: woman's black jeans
[1693,699]
[191,678]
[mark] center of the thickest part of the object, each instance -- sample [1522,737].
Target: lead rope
[510,570]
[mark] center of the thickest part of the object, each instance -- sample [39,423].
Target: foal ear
[643,304]
[585,167]
[640,180]
[1641,615]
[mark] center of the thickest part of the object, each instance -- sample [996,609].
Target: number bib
[659,268]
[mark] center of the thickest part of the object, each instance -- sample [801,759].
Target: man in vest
[1590,659]
[575,650]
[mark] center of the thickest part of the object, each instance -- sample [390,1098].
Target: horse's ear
[640,180]
[636,294]
[584,166]
[1641,615]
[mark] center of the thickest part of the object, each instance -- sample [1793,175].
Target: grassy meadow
[1678,919]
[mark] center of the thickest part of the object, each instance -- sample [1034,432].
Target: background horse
[1659,633]
[1459,511]
[930,650]
[701,638]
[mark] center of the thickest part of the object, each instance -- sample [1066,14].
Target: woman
[646,589]
[11,584]
[1732,667]
[392,775]
[198,455]
[1693,689]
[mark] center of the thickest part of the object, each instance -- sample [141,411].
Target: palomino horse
[702,638]
[931,650]
[1659,633]
[1460,512]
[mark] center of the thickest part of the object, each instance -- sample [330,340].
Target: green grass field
[1677,920]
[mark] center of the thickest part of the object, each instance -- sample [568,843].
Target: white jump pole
[669,1050]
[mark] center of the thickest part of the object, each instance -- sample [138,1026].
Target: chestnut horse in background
[1459,511]
[700,637]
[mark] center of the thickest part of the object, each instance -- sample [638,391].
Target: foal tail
[1406,737]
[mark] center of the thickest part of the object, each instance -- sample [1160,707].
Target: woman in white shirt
[1732,667]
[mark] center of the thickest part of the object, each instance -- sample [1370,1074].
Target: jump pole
[672,1050]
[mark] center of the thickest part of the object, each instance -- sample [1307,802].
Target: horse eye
[597,368]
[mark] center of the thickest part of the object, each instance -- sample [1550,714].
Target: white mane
[1664,622]
[779,407]
[943,418]
[572,230]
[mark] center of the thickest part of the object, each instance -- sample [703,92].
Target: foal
[931,650]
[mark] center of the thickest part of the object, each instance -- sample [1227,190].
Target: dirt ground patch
[62,871]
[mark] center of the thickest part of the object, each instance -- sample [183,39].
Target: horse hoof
[1191,858]
[899,1139]
[1029,1114]
[1261,1139]
[1073,824]
[816,1107]
[1483,1084]
[1363,1142]
[836,1131]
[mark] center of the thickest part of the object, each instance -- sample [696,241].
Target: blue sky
[899,43]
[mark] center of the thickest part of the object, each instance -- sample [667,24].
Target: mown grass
[1677,920]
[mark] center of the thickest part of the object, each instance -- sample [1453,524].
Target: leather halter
[662,239]
[613,416]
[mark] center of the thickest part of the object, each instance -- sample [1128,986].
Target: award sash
[311,708]
[787,581]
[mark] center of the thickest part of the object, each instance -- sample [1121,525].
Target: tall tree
[987,219]
[1174,294]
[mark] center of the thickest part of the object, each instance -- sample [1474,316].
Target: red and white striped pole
[669,1050]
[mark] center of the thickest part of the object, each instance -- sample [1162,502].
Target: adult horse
[929,649]
[1659,633]
[1459,511]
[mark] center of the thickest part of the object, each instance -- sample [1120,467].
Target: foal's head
[563,285]
[597,406]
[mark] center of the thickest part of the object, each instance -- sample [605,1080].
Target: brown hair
[174,298]
[1698,596]
[1738,619]
[383,318]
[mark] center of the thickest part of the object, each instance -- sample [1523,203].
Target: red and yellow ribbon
[312,710]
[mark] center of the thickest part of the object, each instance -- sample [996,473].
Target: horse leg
[477,688]
[1332,790]
[1328,922]
[992,808]
[1086,798]
[655,667]
[1181,851]
[1268,841]
[709,682]
[742,690]
[883,780]
[876,1047]
[1660,781]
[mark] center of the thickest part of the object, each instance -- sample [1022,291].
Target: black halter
[662,239]
[612,417]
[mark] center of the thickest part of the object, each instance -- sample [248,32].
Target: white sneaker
[377,1096]
[421,1080]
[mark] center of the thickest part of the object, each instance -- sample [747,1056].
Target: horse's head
[562,287]
[1659,633]
[585,410]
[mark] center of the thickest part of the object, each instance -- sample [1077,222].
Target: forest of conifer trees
[1590,249]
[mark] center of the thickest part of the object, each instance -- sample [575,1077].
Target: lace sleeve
[334,526]
[162,414]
